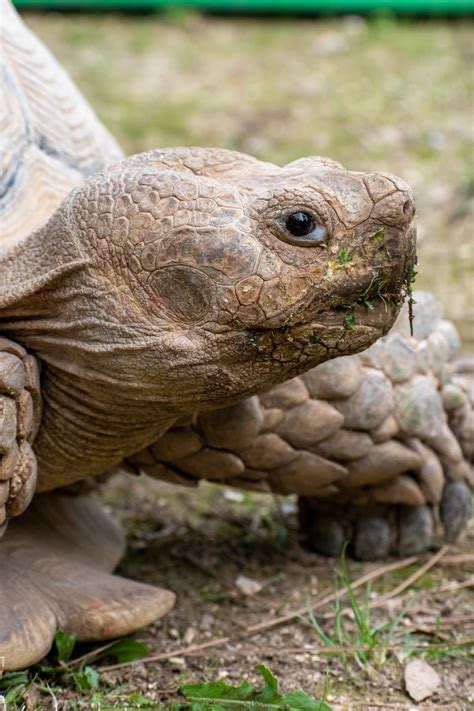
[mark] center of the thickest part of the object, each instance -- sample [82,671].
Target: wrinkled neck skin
[137,323]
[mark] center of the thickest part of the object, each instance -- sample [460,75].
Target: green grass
[368,640]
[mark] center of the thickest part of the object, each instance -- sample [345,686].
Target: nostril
[408,208]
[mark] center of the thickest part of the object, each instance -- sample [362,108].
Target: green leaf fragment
[219,696]
[127,650]
[65,644]
[87,679]
[379,237]
[350,321]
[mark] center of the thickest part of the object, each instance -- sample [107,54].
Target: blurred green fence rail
[444,7]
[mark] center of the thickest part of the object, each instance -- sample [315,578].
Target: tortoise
[138,292]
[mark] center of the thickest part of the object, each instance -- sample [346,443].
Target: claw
[56,561]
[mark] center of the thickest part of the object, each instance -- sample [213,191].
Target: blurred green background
[405,6]
[373,93]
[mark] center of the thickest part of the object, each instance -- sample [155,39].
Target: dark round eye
[299,224]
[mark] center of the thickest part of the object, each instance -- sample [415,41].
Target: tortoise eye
[304,229]
[299,224]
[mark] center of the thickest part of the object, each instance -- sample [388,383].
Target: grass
[369,639]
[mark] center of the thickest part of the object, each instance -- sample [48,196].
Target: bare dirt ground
[382,94]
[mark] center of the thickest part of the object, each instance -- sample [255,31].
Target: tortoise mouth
[375,314]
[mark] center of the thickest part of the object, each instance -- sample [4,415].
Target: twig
[328,597]
[187,651]
[90,655]
[411,579]
[366,648]
[332,597]
[467,559]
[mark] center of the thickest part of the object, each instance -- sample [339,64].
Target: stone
[415,530]
[370,405]
[400,361]
[305,475]
[309,422]
[286,395]
[402,490]
[337,378]
[212,464]
[456,508]
[267,451]
[421,680]
[384,461]
[232,427]
[248,586]
[371,539]
[344,445]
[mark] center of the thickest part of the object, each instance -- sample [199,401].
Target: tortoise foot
[56,562]
[371,532]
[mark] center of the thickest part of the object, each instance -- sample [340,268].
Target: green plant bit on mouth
[344,256]
[350,321]
[343,260]
[379,237]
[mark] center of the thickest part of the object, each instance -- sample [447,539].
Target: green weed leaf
[300,701]
[219,696]
[87,679]
[65,644]
[127,650]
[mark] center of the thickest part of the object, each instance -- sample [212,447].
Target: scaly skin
[168,284]
[378,446]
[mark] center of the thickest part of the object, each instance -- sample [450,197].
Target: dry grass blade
[268,624]
[411,579]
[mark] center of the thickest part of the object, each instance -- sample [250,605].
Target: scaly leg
[376,446]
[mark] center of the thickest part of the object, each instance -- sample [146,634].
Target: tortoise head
[204,275]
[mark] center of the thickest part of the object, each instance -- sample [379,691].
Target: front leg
[350,443]
[20,415]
